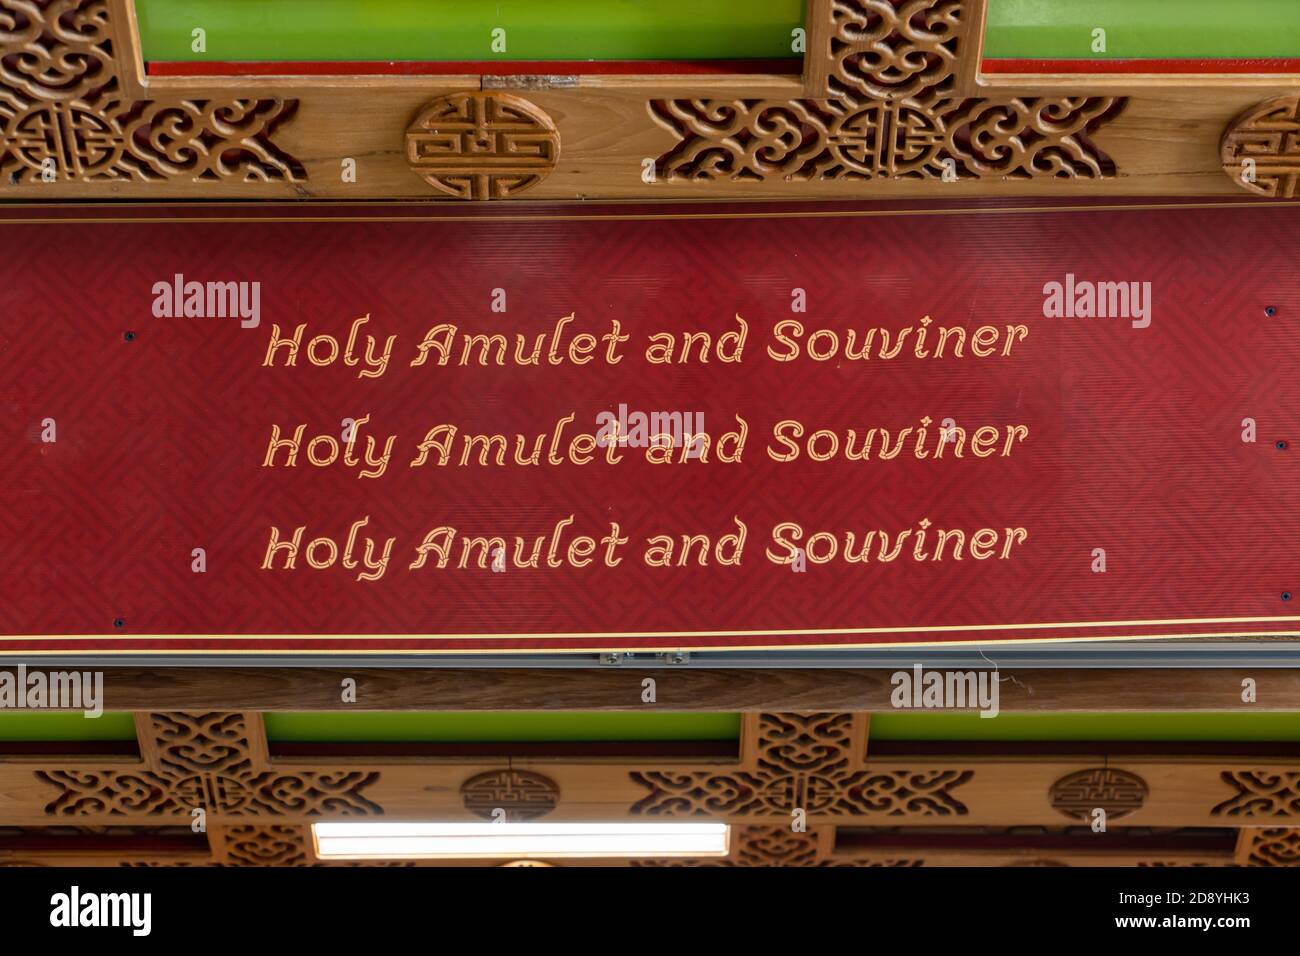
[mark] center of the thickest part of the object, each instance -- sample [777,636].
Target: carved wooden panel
[523,795]
[1270,846]
[116,793]
[809,761]
[816,761]
[1260,793]
[885,75]
[1261,148]
[862,139]
[65,117]
[276,844]
[206,760]
[891,104]
[773,846]
[879,48]
[1118,792]
[482,145]
[265,845]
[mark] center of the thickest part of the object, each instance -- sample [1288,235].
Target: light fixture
[409,841]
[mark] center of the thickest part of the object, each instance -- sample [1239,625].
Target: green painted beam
[919,725]
[1138,29]
[58,725]
[523,726]
[565,727]
[250,30]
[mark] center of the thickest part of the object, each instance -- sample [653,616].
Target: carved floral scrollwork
[63,115]
[1273,846]
[893,50]
[1260,793]
[804,761]
[811,141]
[204,760]
[265,845]
[890,113]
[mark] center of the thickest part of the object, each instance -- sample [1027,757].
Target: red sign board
[420,429]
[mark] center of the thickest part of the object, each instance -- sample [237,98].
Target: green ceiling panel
[1172,29]
[914,725]
[58,725]
[458,30]
[554,726]
[322,30]
[456,727]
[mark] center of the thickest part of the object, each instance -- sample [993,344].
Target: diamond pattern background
[1135,434]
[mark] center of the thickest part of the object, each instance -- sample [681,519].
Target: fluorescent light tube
[408,841]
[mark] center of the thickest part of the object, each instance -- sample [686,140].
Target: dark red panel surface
[1134,439]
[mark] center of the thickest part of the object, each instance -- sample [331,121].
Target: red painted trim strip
[1151,66]
[477,68]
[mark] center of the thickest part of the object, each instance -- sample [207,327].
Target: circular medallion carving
[1261,148]
[887,139]
[215,791]
[1118,792]
[67,136]
[521,794]
[482,145]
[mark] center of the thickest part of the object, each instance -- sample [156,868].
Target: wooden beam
[1150,790]
[1120,135]
[685,689]
[214,767]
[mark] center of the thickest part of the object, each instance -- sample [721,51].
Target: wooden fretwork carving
[893,109]
[812,762]
[215,762]
[1270,846]
[64,115]
[868,139]
[888,49]
[259,809]
[262,845]
[1260,793]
